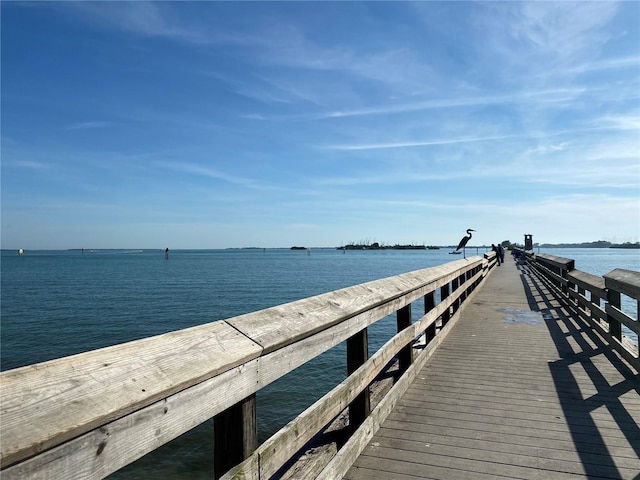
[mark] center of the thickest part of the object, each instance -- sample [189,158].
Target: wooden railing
[88,415]
[597,300]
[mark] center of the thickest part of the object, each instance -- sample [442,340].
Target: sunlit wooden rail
[595,299]
[535,381]
[88,415]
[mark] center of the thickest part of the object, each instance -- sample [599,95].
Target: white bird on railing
[464,241]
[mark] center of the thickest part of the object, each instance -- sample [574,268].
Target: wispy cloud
[208,172]
[557,95]
[88,125]
[275,91]
[448,141]
[549,33]
[581,23]
[593,176]
[546,148]
[28,164]
[619,122]
[140,18]
[605,64]
[546,97]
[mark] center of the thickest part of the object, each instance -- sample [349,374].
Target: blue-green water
[57,303]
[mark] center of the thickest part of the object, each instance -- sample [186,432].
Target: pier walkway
[518,390]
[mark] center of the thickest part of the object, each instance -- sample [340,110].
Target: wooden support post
[581,291]
[444,293]
[405,356]
[235,434]
[463,279]
[615,327]
[357,354]
[595,302]
[455,283]
[430,304]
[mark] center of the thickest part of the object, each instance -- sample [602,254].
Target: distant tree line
[597,244]
[377,246]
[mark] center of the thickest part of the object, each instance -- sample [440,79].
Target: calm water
[57,303]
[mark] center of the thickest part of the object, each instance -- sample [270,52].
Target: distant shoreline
[377,246]
[598,244]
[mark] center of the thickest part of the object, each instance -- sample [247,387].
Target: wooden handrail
[574,284]
[623,281]
[88,415]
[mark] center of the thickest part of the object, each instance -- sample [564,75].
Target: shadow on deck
[520,388]
[582,350]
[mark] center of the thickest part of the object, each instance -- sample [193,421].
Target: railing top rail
[282,325]
[46,404]
[624,281]
[588,281]
[559,262]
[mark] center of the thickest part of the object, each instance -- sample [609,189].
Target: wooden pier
[518,389]
[512,371]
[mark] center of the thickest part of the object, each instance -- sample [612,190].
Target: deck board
[519,389]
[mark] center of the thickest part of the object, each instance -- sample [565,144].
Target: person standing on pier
[495,249]
[501,252]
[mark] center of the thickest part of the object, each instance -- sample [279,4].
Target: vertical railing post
[357,354]
[464,277]
[472,285]
[594,302]
[235,433]
[444,293]
[615,327]
[430,304]
[405,356]
[485,266]
[557,282]
[564,284]
[455,283]
[581,292]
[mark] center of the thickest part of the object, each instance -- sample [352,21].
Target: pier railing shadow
[88,415]
[578,343]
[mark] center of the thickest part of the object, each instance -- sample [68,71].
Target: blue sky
[272,124]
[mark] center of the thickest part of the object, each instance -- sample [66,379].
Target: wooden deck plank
[518,389]
[499,445]
[499,441]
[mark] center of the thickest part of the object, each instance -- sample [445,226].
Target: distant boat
[455,253]
[433,247]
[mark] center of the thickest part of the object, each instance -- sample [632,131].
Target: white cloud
[564,29]
[209,172]
[605,64]
[548,96]
[547,34]
[140,18]
[426,143]
[28,164]
[88,125]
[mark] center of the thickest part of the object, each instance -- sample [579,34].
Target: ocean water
[58,303]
